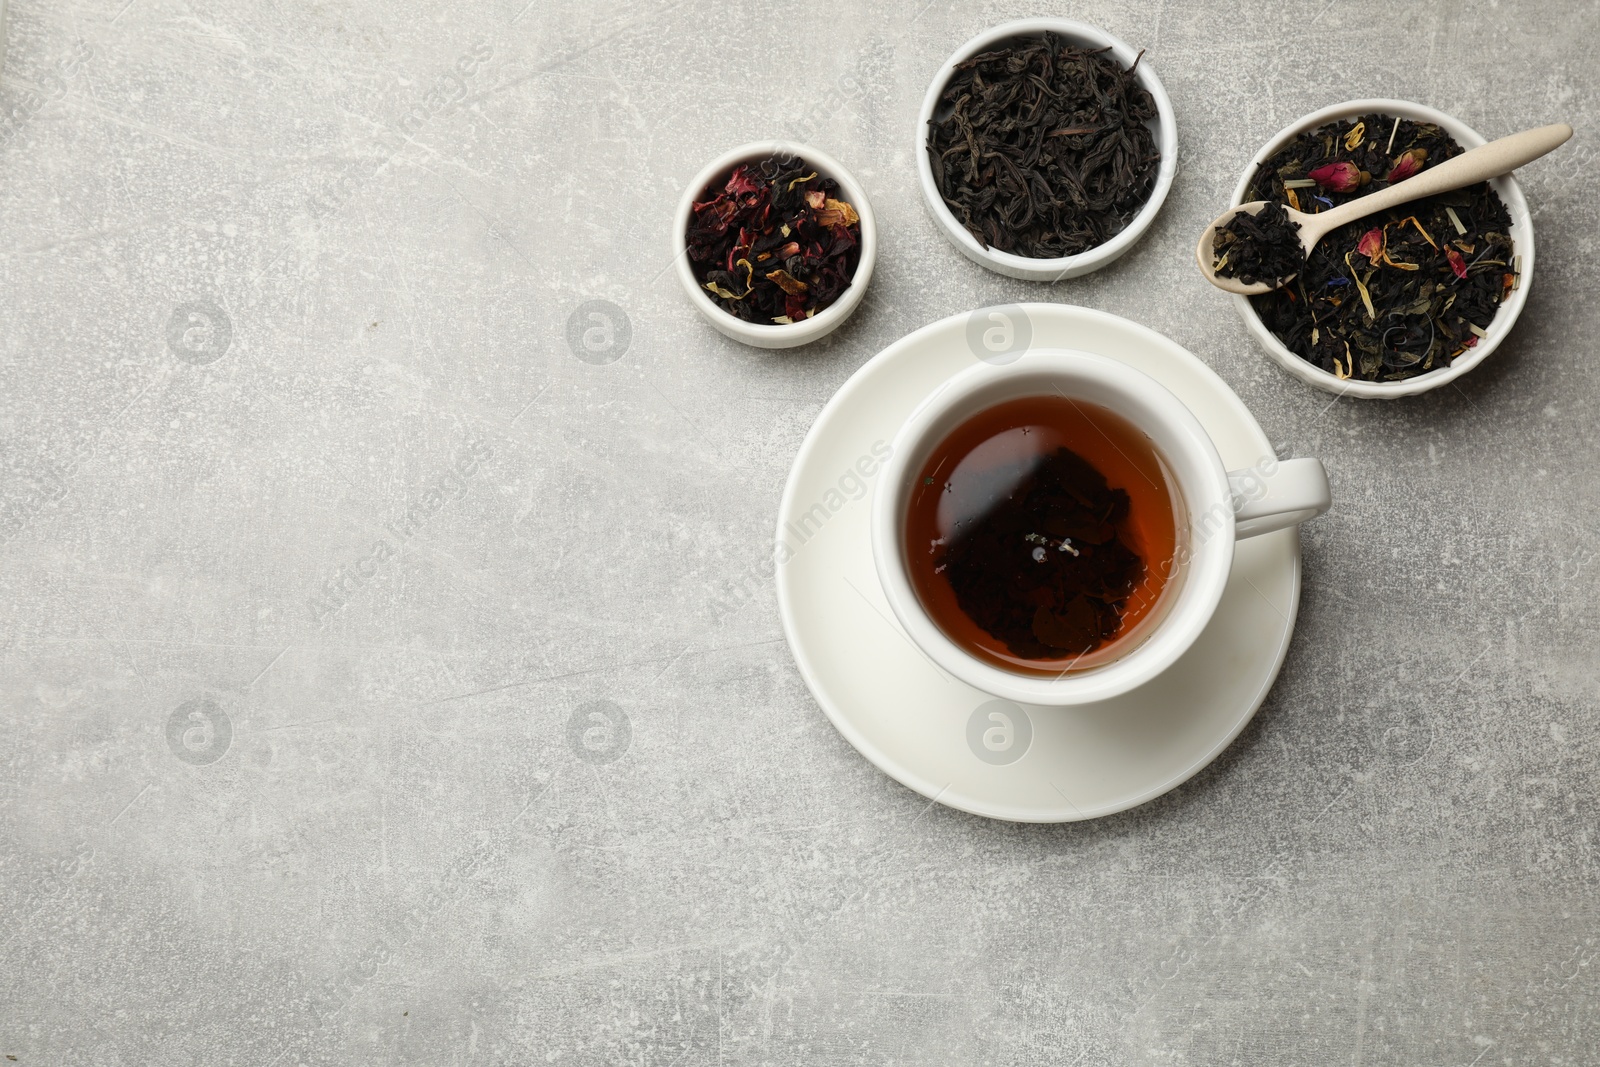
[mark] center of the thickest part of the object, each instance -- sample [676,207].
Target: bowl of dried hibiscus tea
[1403,301]
[775,244]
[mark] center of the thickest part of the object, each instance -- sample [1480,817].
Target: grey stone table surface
[370,693]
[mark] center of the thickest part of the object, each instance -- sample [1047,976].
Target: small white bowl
[1164,127]
[776,335]
[1521,241]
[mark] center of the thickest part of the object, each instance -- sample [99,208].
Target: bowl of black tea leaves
[775,244]
[1045,148]
[1402,301]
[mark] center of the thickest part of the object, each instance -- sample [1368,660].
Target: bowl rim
[1505,316]
[1100,255]
[777,334]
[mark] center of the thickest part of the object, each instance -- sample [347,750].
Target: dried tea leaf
[1263,247]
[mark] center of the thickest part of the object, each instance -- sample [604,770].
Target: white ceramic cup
[1221,507]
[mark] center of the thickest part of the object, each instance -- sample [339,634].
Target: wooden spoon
[1479,164]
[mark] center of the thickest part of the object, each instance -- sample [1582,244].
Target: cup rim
[1208,565]
[1061,267]
[776,335]
[1505,316]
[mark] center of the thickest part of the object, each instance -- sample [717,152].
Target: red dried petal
[1339,177]
[1458,262]
[741,181]
[715,215]
[1371,244]
[843,241]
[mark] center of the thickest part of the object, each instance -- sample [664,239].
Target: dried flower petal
[1353,138]
[717,215]
[1339,177]
[1371,244]
[741,181]
[1361,287]
[836,213]
[1413,220]
[1407,164]
[1345,371]
[1458,262]
[816,198]
[787,282]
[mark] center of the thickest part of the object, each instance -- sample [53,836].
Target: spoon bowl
[1205,253]
[1479,164]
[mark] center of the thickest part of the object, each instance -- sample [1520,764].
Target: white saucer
[953,743]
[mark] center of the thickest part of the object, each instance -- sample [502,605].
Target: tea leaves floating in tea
[1396,294]
[1042,148]
[1041,533]
[1046,570]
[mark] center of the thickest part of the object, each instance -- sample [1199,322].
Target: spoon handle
[1479,164]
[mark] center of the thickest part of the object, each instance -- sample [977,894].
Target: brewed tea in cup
[1060,529]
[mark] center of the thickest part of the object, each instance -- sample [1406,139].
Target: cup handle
[1276,494]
